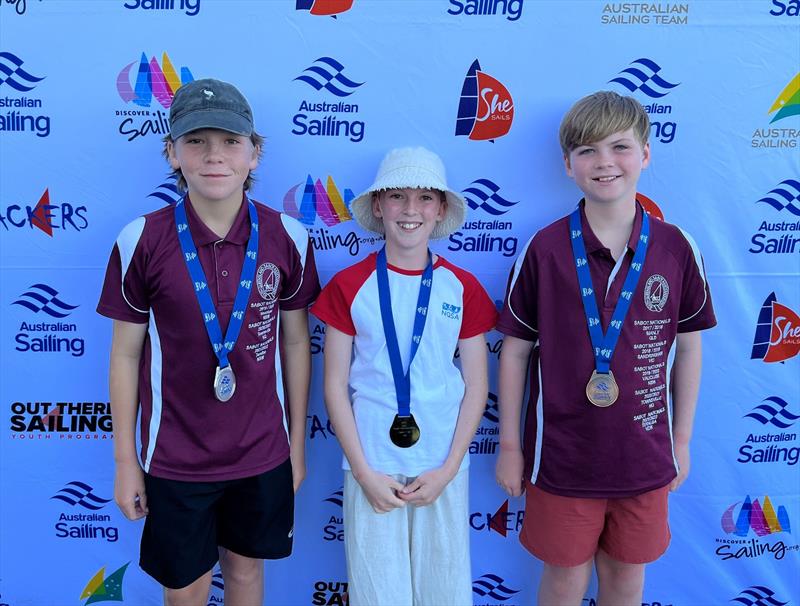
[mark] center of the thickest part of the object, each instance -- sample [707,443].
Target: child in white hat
[400,314]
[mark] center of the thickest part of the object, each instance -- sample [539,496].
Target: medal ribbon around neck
[604,344]
[221,347]
[402,380]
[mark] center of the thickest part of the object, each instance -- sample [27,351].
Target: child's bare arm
[296,376]
[380,489]
[685,386]
[126,353]
[426,488]
[511,386]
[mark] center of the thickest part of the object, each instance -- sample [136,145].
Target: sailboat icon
[152,80]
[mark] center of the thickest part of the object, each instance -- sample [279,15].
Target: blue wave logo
[42,297]
[484,194]
[11,73]
[773,411]
[167,192]
[490,413]
[494,587]
[758,595]
[337,498]
[643,75]
[784,197]
[326,73]
[79,493]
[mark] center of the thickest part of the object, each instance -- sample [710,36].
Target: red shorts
[567,531]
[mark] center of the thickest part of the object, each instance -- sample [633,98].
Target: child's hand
[426,487]
[682,455]
[381,491]
[129,491]
[508,471]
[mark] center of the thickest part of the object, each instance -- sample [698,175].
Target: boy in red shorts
[209,302]
[606,305]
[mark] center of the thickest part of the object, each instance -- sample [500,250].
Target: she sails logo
[777,337]
[485,108]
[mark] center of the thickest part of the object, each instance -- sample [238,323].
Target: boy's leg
[619,584]
[244,578]
[179,541]
[440,554]
[564,585]
[194,594]
[636,532]
[564,533]
[256,522]
[377,549]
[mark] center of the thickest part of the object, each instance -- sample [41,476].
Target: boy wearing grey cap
[400,314]
[209,301]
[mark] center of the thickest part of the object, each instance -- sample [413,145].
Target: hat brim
[219,119]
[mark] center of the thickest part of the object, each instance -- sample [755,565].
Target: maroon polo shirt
[187,434]
[572,447]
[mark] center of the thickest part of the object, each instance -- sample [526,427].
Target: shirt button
[224,273]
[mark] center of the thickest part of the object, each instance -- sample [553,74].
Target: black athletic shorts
[188,521]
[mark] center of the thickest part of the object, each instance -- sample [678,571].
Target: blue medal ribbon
[402,380]
[604,344]
[221,347]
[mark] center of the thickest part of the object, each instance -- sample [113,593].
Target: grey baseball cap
[209,103]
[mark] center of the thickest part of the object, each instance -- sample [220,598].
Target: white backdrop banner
[85,91]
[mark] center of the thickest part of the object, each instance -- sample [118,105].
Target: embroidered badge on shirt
[267,280]
[656,292]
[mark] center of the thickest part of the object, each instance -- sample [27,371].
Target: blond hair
[256,139]
[599,115]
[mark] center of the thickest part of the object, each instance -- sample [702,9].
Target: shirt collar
[202,235]
[592,242]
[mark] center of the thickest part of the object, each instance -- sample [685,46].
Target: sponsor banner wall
[85,91]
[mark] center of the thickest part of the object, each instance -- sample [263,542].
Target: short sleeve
[518,317]
[333,307]
[301,286]
[696,310]
[480,314]
[125,294]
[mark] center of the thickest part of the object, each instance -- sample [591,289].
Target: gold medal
[404,431]
[602,389]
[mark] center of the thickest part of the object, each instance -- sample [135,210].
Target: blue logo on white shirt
[451,311]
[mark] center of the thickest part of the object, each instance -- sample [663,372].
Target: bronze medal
[404,431]
[602,390]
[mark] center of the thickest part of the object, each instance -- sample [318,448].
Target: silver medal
[224,383]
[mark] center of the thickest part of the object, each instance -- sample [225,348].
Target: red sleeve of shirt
[696,310]
[334,302]
[518,317]
[124,297]
[480,314]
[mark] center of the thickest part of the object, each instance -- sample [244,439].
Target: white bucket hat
[410,168]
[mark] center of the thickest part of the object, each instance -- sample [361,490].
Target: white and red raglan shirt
[459,309]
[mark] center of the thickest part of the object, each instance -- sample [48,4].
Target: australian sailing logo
[786,104]
[485,108]
[779,237]
[324,119]
[644,76]
[153,84]
[20,113]
[777,337]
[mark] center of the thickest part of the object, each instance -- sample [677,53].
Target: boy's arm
[511,386]
[685,386]
[427,487]
[296,346]
[380,489]
[126,353]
